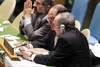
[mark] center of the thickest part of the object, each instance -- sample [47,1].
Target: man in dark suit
[70,50]
[33,24]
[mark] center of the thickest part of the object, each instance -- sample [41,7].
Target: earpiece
[62,28]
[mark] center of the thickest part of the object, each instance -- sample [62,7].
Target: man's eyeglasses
[50,20]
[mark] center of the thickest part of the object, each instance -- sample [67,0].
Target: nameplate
[9,47]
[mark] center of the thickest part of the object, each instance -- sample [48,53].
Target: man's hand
[37,51]
[28,11]
[26,54]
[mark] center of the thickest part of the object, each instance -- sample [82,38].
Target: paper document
[22,63]
[10,37]
[6,22]
[1,29]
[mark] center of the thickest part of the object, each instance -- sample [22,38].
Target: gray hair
[67,19]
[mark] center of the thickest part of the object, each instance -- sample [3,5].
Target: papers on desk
[3,23]
[1,29]
[10,37]
[95,49]
[22,63]
[6,22]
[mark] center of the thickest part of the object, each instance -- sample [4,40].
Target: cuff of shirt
[45,53]
[32,57]
[31,46]
[27,21]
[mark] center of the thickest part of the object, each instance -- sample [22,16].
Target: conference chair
[86,33]
[6,9]
[79,10]
[17,20]
[95,26]
[77,24]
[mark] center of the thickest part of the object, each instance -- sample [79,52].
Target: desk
[9,29]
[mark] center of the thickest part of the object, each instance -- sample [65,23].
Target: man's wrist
[26,16]
[32,56]
[30,46]
[27,21]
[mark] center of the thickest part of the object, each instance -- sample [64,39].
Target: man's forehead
[52,11]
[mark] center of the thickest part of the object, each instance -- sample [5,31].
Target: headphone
[62,28]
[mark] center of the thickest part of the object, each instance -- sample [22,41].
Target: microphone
[20,45]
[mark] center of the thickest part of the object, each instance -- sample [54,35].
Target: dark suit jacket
[71,50]
[37,29]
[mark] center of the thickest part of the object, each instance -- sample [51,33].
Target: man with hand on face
[33,24]
[70,50]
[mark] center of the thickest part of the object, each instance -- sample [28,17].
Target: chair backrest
[17,20]
[7,8]
[77,24]
[95,23]
[86,33]
[79,10]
